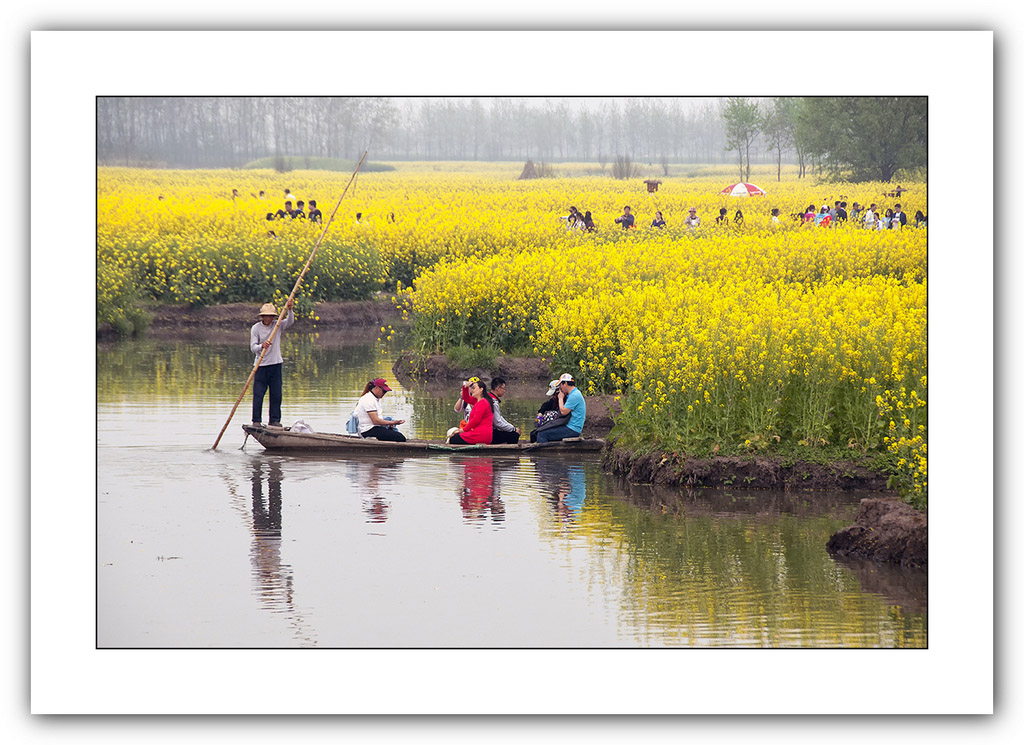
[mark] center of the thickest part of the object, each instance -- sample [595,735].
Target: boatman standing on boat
[571,404]
[268,376]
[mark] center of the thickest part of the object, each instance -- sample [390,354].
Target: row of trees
[860,138]
[648,129]
[219,132]
[857,138]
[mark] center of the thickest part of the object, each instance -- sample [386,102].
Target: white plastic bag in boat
[301,426]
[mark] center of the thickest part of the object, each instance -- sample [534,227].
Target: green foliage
[865,138]
[743,122]
[464,357]
[117,297]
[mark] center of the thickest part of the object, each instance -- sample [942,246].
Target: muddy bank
[886,529]
[170,320]
[759,503]
[353,313]
[439,367]
[750,472]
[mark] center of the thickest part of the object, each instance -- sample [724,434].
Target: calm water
[241,548]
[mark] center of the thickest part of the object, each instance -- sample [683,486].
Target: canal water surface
[240,548]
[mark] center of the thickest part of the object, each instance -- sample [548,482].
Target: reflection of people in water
[375,480]
[478,491]
[273,578]
[565,483]
[577,492]
[375,504]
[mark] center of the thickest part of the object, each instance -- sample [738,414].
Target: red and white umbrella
[743,190]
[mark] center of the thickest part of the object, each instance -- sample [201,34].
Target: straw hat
[268,309]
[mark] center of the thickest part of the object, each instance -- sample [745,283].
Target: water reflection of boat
[283,438]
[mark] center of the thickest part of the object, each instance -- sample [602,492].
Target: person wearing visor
[370,414]
[571,404]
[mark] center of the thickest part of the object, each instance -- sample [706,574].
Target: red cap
[381,383]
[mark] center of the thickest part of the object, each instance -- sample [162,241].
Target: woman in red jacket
[479,428]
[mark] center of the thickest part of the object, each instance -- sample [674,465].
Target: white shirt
[261,332]
[367,403]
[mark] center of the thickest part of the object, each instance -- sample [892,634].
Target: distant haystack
[528,171]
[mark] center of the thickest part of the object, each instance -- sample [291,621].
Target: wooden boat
[283,439]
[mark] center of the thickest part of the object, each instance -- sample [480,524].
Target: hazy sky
[689,103]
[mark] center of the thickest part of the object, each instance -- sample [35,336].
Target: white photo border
[69,69]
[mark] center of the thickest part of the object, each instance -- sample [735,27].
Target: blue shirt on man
[575,403]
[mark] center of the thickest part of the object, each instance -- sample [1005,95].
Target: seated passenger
[370,414]
[505,433]
[479,430]
[548,415]
[571,403]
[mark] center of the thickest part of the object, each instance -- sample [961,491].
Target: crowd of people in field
[297,209]
[868,216]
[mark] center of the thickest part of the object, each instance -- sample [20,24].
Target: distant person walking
[626,220]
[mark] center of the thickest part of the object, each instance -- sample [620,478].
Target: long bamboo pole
[288,302]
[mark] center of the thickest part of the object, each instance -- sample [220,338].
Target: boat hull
[282,439]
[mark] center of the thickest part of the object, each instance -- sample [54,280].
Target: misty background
[850,137]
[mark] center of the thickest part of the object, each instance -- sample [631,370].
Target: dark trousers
[384,433]
[556,433]
[501,437]
[268,377]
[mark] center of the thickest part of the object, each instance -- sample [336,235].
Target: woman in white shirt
[371,415]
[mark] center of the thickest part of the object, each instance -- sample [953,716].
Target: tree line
[860,138]
[850,137]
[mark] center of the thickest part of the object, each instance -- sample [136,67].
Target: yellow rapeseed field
[742,335]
